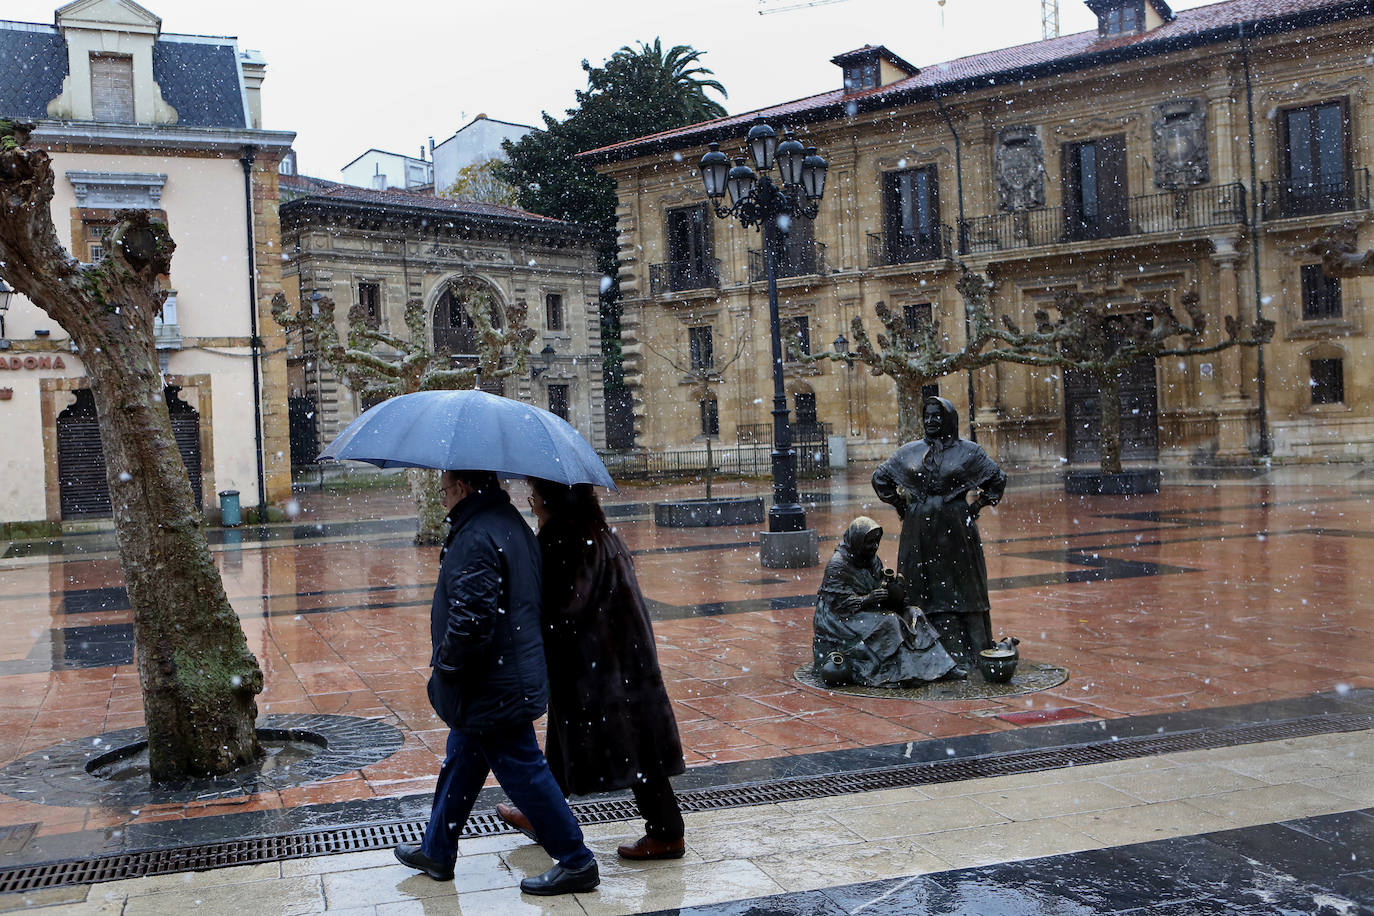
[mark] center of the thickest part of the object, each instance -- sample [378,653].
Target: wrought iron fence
[1295,197]
[795,260]
[1171,211]
[810,441]
[677,276]
[887,248]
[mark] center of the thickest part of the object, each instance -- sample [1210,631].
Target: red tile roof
[304,186]
[1189,26]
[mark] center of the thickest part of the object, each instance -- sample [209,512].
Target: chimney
[254,67]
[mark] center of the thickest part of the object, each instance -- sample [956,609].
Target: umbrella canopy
[469,430]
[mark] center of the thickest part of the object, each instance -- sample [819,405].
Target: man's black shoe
[412,856]
[560,880]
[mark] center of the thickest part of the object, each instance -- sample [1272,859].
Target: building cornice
[836,108]
[298,212]
[98,135]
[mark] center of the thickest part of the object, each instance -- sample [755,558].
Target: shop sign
[15,363]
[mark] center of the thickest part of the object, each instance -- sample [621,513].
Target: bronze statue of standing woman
[940,554]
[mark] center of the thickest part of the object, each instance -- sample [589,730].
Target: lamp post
[759,202]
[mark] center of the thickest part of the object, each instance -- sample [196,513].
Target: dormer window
[870,67]
[1123,20]
[1129,17]
[112,87]
[861,76]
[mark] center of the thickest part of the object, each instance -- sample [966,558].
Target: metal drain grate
[383,836]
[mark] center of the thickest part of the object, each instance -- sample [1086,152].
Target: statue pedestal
[789,549]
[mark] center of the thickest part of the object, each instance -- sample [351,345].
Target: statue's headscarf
[857,532]
[949,430]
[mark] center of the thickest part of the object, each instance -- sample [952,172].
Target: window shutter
[1111,184]
[112,88]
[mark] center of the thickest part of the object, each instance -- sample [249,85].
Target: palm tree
[675,78]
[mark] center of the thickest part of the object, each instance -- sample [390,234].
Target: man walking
[489,684]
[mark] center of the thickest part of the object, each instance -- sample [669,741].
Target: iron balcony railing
[796,259]
[1171,211]
[1292,197]
[888,248]
[678,276]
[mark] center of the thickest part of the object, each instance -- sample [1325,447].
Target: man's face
[452,490]
[934,420]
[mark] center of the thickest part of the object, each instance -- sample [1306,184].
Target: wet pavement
[1207,599]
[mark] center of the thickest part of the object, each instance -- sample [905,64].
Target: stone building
[379,249]
[1165,152]
[135,117]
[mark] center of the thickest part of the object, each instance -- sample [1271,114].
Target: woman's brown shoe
[649,848]
[516,818]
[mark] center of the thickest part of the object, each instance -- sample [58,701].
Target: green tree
[479,182]
[636,91]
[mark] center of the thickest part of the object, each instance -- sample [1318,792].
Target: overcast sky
[346,77]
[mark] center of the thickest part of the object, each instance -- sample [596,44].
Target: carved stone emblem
[1179,131]
[1020,163]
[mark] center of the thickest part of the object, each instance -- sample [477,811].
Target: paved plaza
[1211,750]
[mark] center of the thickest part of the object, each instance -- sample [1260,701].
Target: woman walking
[611,725]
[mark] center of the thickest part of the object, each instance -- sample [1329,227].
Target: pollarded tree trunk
[424,489]
[197,674]
[1109,422]
[910,405]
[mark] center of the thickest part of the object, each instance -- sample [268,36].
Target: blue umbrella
[469,430]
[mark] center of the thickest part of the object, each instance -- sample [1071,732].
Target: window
[690,264]
[558,401]
[370,301]
[1122,20]
[861,76]
[112,87]
[97,239]
[1094,173]
[918,318]
[1328,381]
[803,331]
[911,204]
[553,312]
[1321,295]
[702,347]
[710,416]
[1314,160]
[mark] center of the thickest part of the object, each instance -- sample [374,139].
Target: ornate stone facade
[381,249]
[1120,165]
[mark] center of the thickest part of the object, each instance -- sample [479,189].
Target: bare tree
[914,356]
[376,365]
[197,674]
[703,374]
[1089,336]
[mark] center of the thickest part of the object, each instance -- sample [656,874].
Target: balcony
[1148,214]
[886,249]
[680,276]
[1292,198]
[797,259]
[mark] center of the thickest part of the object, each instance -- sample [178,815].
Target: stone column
[1237,410]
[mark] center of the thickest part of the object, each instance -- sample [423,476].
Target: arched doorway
[84,491]
[455,333]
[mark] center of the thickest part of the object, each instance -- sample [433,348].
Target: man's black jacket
[488,656]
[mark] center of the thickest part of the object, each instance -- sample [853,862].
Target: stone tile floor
[1209,595]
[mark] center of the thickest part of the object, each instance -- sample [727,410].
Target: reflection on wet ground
[1206,596]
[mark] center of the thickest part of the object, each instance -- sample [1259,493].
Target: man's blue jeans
[513,755]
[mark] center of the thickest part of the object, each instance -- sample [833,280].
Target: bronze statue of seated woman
[865,633]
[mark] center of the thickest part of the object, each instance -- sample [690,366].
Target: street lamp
[760,203]
[546,357]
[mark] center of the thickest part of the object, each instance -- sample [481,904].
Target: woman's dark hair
[576,504]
